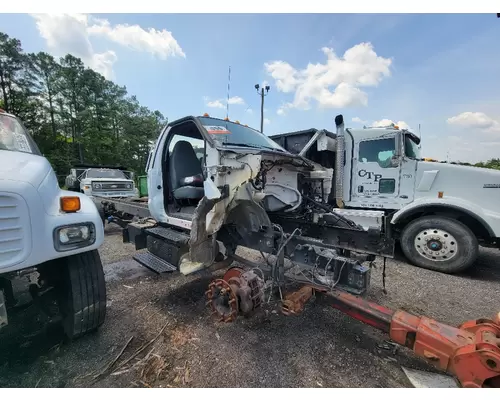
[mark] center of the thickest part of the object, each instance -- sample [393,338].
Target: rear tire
[83,294]
[440,244]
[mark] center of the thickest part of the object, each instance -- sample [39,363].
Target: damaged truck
[215,185]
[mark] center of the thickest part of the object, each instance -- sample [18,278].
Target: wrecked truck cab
[214,180]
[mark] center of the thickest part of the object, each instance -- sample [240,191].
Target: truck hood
[480,186]
[23,167]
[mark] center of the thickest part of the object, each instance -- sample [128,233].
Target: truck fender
[449,204]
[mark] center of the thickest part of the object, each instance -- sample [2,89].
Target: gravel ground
[321,347]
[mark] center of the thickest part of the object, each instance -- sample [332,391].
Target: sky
[437,74]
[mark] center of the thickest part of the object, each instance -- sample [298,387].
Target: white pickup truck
[102,181]
[47,233]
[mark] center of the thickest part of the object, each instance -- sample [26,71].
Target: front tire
[82,294]
[440,244]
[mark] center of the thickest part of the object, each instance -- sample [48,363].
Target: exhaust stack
[339,163]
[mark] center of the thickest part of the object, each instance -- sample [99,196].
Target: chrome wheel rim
[436,245]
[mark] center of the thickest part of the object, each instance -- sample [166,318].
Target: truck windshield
[106,173]
[411,147]
[14,137]
[228,133]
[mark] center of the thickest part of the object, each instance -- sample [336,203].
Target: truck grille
[110,186]
[11,229]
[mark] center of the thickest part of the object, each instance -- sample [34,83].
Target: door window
[380,151]
[411,148]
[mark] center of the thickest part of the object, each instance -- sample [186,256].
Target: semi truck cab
[439,212]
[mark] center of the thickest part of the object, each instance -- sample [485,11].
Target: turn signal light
[70,204]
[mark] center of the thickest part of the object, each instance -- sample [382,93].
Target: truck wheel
[439,243]
[83,294]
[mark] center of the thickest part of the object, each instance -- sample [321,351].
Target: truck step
[154,263]
[169,235]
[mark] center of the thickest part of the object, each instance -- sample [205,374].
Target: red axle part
[471,352]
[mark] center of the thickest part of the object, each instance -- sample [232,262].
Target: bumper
[113,194]
[37,224]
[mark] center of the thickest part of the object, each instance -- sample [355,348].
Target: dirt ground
[320,348]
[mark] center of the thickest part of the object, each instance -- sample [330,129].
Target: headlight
[129,186]
[70,237]
[96,185]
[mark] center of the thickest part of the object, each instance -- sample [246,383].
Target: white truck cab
[47,231]
[439,212]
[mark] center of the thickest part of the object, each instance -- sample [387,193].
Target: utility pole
[262,95]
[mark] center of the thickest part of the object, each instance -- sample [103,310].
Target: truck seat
[186,174]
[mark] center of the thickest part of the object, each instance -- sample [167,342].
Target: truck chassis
[303,266]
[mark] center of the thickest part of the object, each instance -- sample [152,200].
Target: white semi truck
[48,234]
[439,212]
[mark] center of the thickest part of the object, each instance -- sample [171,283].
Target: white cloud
[159,43]
[281,111]
[215,104]
[249,111]
[267,121]
[236,100]
[475,120]
[358,120]
[334,84]
[70,34]
[67,33]
[221,103]
[386,122]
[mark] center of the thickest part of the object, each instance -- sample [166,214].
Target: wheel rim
[436,245]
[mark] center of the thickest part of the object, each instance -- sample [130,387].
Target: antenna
[228,90]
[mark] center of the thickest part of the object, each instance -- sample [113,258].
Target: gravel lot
[320,348]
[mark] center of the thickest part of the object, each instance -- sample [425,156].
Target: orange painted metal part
[294,302]
[471,352]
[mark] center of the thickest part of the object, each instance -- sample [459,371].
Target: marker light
[70,204]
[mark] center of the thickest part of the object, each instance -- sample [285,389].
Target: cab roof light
[70,204]
[206,115]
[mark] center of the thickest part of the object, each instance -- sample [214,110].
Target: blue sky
[439,71]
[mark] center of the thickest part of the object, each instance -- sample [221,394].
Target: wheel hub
[237,292]
[436,245]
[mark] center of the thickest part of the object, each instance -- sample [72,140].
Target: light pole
[262,94]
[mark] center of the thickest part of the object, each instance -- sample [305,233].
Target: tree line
[74,114]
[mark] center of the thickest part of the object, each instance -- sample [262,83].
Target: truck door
[411,153]
[375,183]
